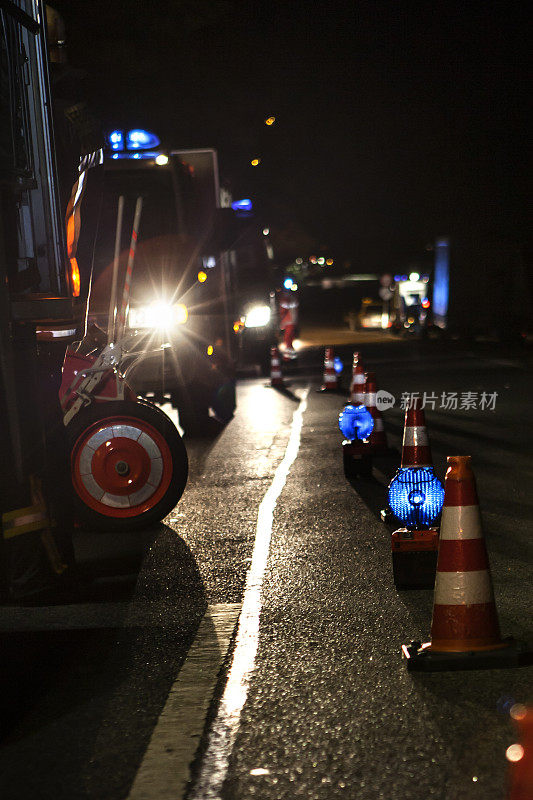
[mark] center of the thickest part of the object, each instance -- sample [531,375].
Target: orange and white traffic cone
[276,377]
[520,755]
[416,451]
[330,379]
[377,443]
[415,547]
[464,632]
[357,384]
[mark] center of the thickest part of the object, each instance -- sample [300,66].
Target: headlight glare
[158,316]
[257,317]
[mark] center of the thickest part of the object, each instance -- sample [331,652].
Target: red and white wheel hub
[121,467]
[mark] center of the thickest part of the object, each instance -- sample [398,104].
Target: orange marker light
[270,120]
[255,162]
[75,278]
[202,276]
[210,349]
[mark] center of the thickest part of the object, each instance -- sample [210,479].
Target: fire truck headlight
[257,317]
[159,316]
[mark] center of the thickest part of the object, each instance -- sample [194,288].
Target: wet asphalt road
[331,710]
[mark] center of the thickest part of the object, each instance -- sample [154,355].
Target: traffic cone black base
[356,462]
[420,659]
[414,558]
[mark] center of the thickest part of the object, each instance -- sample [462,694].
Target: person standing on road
[288,319]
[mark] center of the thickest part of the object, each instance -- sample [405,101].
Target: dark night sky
[396,121]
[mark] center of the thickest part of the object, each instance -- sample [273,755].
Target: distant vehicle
[410,303]
[256,320]
[181,286]
[373,315]
[257,328]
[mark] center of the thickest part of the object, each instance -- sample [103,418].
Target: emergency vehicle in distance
[181,285]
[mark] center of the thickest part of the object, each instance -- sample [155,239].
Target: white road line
[164,771]
[225,727]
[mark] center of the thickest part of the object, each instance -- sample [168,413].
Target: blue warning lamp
[356,422]
[141,139]
[242,205]
[416,496]
[338,366]
[116,140]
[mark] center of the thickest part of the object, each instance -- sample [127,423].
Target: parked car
[373,315]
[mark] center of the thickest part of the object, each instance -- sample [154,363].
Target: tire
[264,364]
[130,481]
[224,401]
[193,408]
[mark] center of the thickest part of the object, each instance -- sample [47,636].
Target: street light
[255,162]
[270,120]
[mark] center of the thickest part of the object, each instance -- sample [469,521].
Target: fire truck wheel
[128,463]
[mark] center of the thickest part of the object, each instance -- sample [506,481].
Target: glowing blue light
[416,496]
[441,282]
[242,205]
[116,139]
[338,366]
[138,138]
[144,154]
[356,422]
[397,278]
[288,283]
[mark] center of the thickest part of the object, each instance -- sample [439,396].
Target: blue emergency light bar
[242,205]
[136,139]
[116,140]
[142,154]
